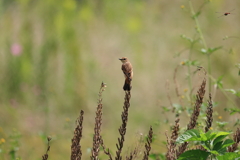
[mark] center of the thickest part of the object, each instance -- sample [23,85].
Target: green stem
[204,42]
[189,72]
[209,72]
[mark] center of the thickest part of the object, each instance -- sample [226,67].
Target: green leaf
[217,146]
[221,146]
[211,50]
[238,94]
[191,135]
[219,82]
[221,124]
[229,155]
[166,109]
[227,143]
[232,110]
[214,152]
[218,139]
[194,155]
[203,137]
[233,92]
[210,135]
[191,63]
[237,123]
[206,145]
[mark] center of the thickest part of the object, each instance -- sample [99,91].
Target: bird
[128,73]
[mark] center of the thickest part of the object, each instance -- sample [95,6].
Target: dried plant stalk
[123,128]
[132,154]
[45,156]
[76,152]
[236,138]
[98,123]
[106,151]
[194,116]
[198,103]
[171,145]
[148,144]
[209,114]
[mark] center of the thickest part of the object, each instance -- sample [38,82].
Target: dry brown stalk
[98,123]
[132,154]
[181,149]
[209,114]
[148,144]
[123,128]
[198,103]
[106,151]
[171,145]
[236,138]
[194,116]
[45,156]
[137,150]
[76,152]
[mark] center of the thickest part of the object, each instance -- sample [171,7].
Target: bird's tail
[127,85]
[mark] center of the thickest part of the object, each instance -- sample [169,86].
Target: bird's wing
[127,70]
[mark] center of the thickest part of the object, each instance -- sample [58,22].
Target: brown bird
[128,73]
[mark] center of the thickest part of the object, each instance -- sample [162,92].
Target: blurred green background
[55,54]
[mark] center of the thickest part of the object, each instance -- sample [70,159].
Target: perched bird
[128,73]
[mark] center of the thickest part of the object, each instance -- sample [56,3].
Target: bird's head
[123,59]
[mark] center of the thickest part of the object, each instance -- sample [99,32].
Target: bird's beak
[120,59]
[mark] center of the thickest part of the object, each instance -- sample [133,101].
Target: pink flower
[16,49]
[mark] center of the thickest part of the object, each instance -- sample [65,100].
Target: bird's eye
[124,58]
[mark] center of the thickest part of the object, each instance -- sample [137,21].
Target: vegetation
[54,54]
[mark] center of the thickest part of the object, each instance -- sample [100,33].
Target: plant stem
[209,72]
[189,72]
[203,40]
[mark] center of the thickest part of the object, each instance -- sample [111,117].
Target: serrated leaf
[221,146]
[218,139]
[192,135]
[222,134]
[194,155]
[227,143]
[217,146]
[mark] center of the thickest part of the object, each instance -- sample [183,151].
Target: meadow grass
[54,54]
